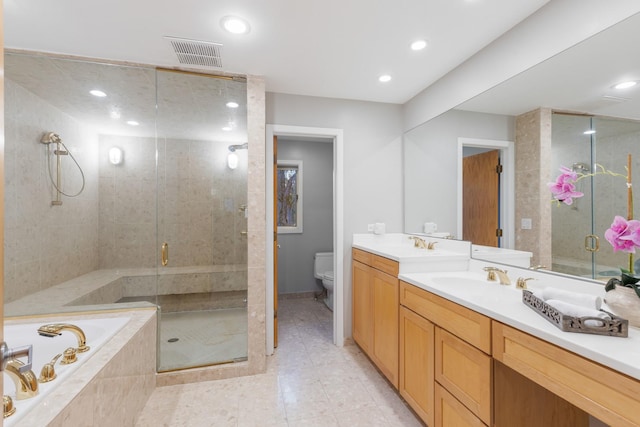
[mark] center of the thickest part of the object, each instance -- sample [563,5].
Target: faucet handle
[7,354]
[432,245]
[521,283]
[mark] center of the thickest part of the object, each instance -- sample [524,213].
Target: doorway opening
[506,207]
[309,135]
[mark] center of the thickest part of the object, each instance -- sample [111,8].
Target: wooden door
[481,198]
[275,241]
[362,306]
[416,382]
[385,324]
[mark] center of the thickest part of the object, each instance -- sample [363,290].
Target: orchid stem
[629,204]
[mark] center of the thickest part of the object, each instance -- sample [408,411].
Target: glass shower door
[574,243]
[596,146]
[202,220]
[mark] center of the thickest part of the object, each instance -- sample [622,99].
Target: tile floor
[198,338]
[309,382]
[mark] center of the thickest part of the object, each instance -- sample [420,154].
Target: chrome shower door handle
[165,254]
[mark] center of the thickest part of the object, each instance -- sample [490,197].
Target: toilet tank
[323,262]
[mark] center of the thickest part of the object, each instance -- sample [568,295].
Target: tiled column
[533,199]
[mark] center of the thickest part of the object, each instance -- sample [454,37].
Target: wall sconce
[232,157]
[116,156]
[232,160]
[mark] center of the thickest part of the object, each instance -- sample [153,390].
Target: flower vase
[625,303]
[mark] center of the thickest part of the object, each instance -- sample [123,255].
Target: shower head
[580,167]
[233,148]
[50,137]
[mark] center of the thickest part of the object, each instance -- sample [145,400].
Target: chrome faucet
[23,377]
[55,329]
[502,277]
[418,242]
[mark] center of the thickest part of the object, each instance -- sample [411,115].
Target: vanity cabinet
[375,310]
[445,363]
[606,394]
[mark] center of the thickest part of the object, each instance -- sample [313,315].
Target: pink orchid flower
[564,189]
[624,235]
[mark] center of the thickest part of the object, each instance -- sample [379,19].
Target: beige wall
[533,156]
[45,244]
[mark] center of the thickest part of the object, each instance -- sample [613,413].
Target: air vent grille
[194,52]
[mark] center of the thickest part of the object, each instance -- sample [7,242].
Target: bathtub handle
[165,254]
[6,354]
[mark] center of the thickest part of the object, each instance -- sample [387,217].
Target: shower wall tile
[199,200]
[36,232]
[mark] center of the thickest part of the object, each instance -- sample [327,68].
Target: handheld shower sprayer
[53,138]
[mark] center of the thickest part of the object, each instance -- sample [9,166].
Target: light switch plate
[525,224]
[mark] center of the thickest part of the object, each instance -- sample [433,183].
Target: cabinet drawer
[604,393]
[465,372]
[472,327]
[386,265]
[378,262]
[362,256]
[449,412]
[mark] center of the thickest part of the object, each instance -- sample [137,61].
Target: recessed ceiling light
[626,85]
[232,104]
[589,132]
[384,78]
[226,128]
[98,93]
[132,123]
[418,45]
[235,25]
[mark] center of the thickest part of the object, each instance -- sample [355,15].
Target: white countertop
[504,304]
[447,254]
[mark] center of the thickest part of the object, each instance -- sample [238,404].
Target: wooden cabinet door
[386,301]
[465,372]
[416,383]
[451,413]
[362,305]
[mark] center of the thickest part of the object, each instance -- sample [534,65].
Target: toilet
[323,270]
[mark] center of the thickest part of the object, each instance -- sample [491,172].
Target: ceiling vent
[195,52]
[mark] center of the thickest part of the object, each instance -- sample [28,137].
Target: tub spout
[54,329]
[24,379]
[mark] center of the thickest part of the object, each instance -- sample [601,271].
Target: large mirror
[578,82]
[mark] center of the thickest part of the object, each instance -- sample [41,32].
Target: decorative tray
[616,327]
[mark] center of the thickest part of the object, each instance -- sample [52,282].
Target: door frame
[507,185]
[338,224]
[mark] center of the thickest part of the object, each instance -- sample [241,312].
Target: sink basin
[468,285]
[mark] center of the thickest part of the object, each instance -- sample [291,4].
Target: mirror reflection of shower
[61,150]
[581,169]
[232,157]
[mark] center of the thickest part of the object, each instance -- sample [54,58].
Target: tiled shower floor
[198,338]
[309,382]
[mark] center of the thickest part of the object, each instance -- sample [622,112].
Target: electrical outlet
[370,227]
[525,224]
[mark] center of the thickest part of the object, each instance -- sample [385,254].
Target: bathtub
[97,331]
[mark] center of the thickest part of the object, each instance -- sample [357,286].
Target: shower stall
[590,145]
[162,219]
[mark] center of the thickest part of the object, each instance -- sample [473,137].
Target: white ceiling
[333,48]
[580,79]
